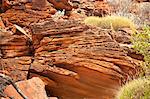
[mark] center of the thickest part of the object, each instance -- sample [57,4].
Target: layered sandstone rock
[24,17]
[15,45]
[74,61]
[17,67]
[15,58]
[77,61]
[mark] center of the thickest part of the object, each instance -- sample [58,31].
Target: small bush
[136,89]
[141,43]
[115,22]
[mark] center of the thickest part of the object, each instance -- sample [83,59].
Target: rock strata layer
[79,61]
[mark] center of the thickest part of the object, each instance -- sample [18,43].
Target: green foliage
[136,89]
[141,43]
[110,22]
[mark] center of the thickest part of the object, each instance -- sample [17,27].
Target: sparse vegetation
[141,43]
[136,89]
[115,22]
[139,88]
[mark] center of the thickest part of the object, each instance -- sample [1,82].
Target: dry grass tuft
[110,22]
[136,89]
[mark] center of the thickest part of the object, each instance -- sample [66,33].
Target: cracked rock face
[79,61]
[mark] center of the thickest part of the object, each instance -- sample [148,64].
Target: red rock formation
[2,24]
[14,45]
[101,8]
[82,61]
[95,8]
[32,88]
[61,4]
[4,5]
[15,55]
[24,18]
[17,68]
[74,61]
[39,4]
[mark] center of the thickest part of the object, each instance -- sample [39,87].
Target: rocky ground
[49,55]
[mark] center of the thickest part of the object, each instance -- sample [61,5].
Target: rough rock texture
[15,55]
[32,88]
[14,45]
[17,68]
[24,17]
[80,61]
[74,61]
[39,4]
[62,4]
[95,8]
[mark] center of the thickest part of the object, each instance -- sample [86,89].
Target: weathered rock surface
[17,67]
[95,7]
[15,55]
[74,61]
[24,17]
[33,88]
[63,4]
[14,46]
[80,61]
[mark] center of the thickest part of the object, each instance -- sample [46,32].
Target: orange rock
[5,5]
[76,16]
[101,8]
[62,4]
[32,88]
[53,11]
[1,24]
[81,61]
[16,68]
[38,4]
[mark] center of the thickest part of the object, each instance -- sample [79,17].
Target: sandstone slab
[32,88]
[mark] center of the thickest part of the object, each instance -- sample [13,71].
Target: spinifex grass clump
[141,43]
[136,89]
[92,20]
[110,22]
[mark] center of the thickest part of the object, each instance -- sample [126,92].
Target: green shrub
[136,89]
[141,43]
[110,22]
[139,88]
